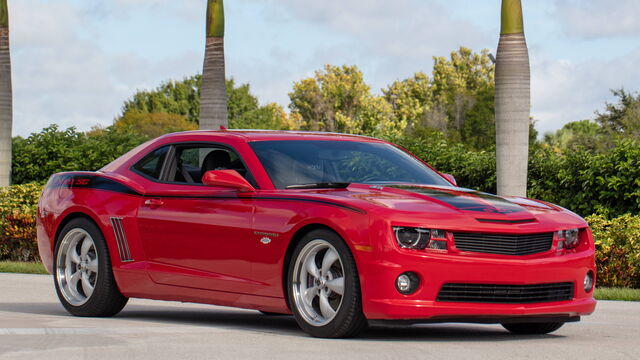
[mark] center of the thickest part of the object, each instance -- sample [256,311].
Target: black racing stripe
[253,197]
[92,181]
[89,181]
[468,200]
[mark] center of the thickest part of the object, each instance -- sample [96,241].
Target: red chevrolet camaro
[339,230]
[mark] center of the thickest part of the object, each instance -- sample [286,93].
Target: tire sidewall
[351,301]
[103,264]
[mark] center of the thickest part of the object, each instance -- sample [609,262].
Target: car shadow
[238,319]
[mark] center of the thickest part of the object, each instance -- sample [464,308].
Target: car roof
[267,135]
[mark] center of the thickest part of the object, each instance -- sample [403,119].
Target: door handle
[154,203]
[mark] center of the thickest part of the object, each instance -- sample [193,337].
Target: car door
[195,235]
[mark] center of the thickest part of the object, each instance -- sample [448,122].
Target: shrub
[617,243]
[18,206]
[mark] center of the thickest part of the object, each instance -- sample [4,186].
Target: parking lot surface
[33,325]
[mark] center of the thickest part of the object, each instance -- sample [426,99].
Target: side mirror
[227,179]
[450,178]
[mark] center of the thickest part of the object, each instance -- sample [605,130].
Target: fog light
[407,283]
[588,282]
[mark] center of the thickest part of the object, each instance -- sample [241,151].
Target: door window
[151,165]
[191,162]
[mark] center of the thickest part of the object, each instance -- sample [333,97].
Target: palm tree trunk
[513,103]
[213,95]
[6,98]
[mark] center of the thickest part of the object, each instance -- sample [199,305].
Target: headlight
[569,238]
[420,239]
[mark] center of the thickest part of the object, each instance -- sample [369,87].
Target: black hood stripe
[467,200]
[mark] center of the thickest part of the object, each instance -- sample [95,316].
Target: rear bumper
[381,300]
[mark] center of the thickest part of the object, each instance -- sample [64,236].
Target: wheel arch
[67,218]
[295,239]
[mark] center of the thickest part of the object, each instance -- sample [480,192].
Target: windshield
[291,163]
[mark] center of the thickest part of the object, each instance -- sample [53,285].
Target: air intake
[121,240]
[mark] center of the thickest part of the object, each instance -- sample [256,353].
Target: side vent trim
[121,240]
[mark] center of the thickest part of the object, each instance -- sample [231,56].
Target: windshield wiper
[326,185]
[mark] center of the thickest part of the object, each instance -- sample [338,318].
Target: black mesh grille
[506,294]
[503,244]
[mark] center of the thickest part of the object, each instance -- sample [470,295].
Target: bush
[18,206]
[617,250]
[53,150]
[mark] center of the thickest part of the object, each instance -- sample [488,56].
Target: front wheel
[533,328]
[82,272]
[324,289]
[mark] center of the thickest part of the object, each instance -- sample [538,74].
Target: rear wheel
[324,289]
[82,272]
[533,328]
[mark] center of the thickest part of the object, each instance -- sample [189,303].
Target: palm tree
[6,97]
[513,102]
[213,96]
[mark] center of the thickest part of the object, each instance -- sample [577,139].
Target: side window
[193,161]
[151,165]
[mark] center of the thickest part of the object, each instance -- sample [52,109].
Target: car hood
[420,201]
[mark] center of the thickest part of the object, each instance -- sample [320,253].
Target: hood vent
[501,221]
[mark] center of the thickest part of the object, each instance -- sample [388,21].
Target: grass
[22,267]
[620,294]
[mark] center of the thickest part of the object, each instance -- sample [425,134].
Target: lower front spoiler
[478,320]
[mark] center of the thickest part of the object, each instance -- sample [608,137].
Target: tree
[463,86]
[6,97]
[182,98]
[213,101]
[337,99]
[512,102]
[621,120]
[584,134]
[152,125]
[412,100]
[173,97]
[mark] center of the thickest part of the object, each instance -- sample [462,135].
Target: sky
[76,61]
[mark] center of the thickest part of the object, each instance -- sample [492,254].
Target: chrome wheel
[318,282]
[77,266]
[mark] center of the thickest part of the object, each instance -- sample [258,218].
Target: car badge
[265,240]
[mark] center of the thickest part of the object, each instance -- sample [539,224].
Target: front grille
[503,244]
[506,294]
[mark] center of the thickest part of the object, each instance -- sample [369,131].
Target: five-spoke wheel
[77,266]
[82,271]
[324,290]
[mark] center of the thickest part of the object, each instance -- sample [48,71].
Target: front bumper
[381,300]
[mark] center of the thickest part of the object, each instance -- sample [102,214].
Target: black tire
[349,319]
[105,300]
[533,328]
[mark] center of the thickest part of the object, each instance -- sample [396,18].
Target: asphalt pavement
[33,325]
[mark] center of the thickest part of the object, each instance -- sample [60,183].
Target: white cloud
[599,18]
[564,91]
[61,75]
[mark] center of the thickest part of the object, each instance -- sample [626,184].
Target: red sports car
[339,230]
